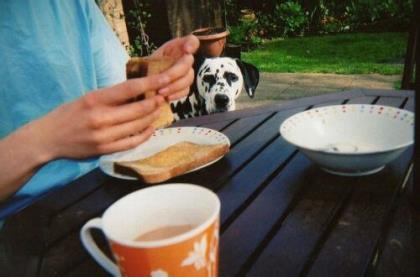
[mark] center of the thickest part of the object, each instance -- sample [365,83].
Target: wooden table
[281,215]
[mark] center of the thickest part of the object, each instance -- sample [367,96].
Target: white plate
[161,139]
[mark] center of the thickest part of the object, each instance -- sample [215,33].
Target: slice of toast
[140,67]
[172,161]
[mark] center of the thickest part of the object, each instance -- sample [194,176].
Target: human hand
[181,49]
[102,121]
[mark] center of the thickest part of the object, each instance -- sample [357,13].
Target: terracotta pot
[212,40]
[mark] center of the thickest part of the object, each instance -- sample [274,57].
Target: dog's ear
[251,76]
[198,61]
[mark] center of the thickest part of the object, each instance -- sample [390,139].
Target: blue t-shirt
[52,52]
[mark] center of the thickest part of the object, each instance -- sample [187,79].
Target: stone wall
[114,13]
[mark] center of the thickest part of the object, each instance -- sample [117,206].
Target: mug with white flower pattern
[161,231]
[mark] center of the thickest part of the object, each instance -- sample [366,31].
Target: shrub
[244,34]
[292,17]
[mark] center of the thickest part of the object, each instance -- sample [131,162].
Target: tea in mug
[164,232]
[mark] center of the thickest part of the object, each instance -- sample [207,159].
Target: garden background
[302,48]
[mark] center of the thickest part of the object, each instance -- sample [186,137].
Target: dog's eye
[210,79]
[230,77]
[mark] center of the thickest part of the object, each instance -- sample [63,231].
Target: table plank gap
[399,250]
[240,155]
[273,204]
[250,130]
[219,126]
[54,263]
[363,100]
[245,163]
[236,203]
[328,228]
[409,104]
[387,222]
[363,218]
[330,103]
[92,205]
[390,101]
[86,267]
[304,229]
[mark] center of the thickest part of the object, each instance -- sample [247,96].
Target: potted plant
[212,40]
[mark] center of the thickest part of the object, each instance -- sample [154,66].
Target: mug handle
[93,249]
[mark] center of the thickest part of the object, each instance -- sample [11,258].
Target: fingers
[123,92]
[182,75]
[128,112]
[178,47]
[127,142]
[191,44]
[179,88]
[121,131]
[132,88]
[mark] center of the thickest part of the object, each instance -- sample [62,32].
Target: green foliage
[286,19]
[291,17]
[244,34]
[360,14]
[355,53]
[281,18]
[138,18]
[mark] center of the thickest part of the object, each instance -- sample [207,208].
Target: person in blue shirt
[64,97]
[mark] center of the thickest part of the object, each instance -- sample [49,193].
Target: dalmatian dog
[218,83]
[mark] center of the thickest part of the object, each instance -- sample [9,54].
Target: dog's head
[220,80]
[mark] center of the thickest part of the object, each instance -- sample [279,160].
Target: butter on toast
[172,161]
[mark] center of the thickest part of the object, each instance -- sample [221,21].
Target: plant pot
[212,40]
[233,51]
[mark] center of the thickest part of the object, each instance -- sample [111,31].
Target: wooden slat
[242,127]
[362,219]
[362,100]
[218,125]
[249,230]
[69,254]
[86,208]
[386,93]
[86,268]
[214,176]
[390,101]
[410,104]
[399,254]
[305,226]
[238,190]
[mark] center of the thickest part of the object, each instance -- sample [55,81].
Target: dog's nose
[221,100]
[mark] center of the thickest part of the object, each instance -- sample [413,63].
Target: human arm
[100,122]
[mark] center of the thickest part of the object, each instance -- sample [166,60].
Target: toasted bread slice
[140,67]
[172,161]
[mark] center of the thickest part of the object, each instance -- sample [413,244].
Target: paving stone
[275,87]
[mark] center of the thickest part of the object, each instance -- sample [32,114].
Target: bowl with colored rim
[351,140]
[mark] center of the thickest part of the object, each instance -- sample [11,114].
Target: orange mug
[161,231]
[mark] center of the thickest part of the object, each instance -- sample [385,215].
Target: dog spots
[206,69]
[230,77]
[210,80]
[182,109]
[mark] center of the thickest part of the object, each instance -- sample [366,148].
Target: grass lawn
[357,53]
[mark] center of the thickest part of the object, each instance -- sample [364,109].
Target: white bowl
[350,140]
